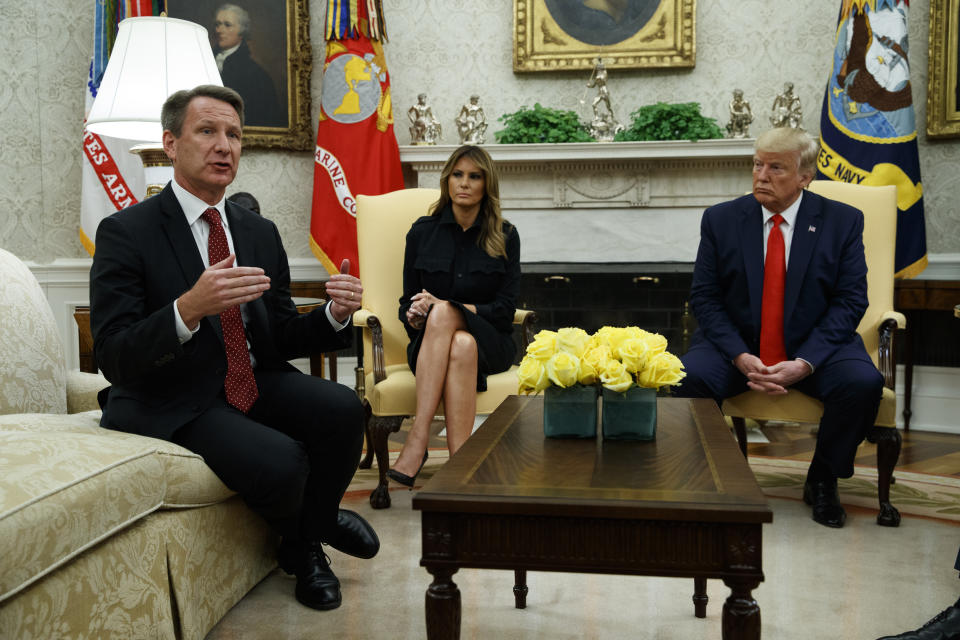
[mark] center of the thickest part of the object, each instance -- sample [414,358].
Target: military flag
[868,134]
[356,150]
[110,174]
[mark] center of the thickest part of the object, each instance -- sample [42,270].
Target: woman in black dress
[461,271]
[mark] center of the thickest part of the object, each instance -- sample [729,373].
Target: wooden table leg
[700,597]
[443,605]
[520,588]
[741,613]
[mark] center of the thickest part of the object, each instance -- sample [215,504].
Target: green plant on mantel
[663,121]
[541,124]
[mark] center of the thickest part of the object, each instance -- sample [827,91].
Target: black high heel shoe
[403,478]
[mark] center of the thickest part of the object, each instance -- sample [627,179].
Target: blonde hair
[491,238]
[788,139]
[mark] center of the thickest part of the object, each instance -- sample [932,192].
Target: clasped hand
[773,380]
[420,304]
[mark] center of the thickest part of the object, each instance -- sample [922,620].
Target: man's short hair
[788,139]
[174,110]
[243,18]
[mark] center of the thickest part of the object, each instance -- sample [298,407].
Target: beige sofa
[103,534]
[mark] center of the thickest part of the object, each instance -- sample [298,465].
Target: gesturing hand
[220,287]
[345,293]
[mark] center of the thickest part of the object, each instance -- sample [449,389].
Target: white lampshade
[151,58]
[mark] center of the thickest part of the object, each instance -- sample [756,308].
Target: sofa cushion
[61,494]
[188,481]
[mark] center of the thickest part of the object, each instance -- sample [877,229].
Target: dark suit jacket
[826,285]
[145,258]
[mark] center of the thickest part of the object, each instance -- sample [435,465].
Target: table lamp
[152,57]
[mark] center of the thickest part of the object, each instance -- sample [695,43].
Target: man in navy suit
[193,325]
[813,323]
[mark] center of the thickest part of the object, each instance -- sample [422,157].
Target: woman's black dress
[446,261]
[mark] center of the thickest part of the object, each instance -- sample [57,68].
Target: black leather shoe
[317,586]
[354,536]
[823,496]
[944,626]
[403,478]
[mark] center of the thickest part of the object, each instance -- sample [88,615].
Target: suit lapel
[805,236]
[751,239]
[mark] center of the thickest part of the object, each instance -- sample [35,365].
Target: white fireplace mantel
[605,202]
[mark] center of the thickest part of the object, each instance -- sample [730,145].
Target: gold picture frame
[569,35]
[943,72]
[277,61]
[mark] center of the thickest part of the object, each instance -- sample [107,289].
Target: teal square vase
[631,415]
[570,412]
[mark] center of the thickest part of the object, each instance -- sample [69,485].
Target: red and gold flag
[356,150]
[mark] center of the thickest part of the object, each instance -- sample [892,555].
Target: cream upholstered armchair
[389,391]
[879,207]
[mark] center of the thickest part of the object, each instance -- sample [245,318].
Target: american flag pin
[811,228]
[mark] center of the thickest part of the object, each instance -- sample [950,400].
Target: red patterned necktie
[772,350]
[239,385]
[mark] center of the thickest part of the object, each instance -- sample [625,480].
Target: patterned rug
[915,494]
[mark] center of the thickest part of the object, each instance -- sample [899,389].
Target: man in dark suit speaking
[193,325]
[779,287]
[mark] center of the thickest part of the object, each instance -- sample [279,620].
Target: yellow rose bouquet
[570,367]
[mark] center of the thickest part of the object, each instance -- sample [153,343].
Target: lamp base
[157,168]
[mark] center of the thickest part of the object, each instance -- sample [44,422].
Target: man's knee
[278,481]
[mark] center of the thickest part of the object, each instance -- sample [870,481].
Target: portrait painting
[552,35]
[943,74]
[262,50]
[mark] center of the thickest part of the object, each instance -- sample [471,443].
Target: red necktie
[239,385]
[772,350]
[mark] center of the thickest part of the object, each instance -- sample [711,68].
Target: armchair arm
[526,318]
[890,322]
[367,320]
[896,316]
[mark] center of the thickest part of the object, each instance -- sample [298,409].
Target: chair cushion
[397,394]
[798,407]
[32,370]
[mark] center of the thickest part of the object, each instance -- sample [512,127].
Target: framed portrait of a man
[556,35]
[262,49]
[943,77]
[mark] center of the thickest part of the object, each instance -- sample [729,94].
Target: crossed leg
[446,370]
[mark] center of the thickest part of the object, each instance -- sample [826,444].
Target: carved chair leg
[740,427]
[888,440]
[367,460]
[380,429]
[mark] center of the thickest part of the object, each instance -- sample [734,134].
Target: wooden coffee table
[684,505]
